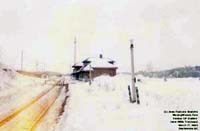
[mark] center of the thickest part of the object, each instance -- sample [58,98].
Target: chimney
[101,56]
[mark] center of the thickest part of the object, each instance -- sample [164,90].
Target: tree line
[180,72]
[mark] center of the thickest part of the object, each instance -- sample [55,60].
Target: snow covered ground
[49,122]
[17,90]
[104,106]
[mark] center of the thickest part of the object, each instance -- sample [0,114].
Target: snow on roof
[78,64]
[102,64]
[97,62]
[87,68]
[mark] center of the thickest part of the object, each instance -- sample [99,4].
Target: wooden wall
[101,71]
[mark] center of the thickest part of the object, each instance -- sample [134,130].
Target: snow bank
[17,90]
[103,82]
[49,122]
[104,106]
[6,78]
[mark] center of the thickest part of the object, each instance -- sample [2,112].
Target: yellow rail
[28,116]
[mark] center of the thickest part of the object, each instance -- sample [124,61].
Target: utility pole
[132,72]
[22,57]
[36,65]
[90,74]
[75,43]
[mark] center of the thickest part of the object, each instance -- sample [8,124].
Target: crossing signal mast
[135,92]
[132,72]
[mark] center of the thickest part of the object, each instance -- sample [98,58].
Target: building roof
[88,68]
[101,62]
[78,64]
[95,62]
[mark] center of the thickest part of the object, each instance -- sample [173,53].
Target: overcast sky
[166,33]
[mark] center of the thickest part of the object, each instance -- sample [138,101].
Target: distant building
[96,66]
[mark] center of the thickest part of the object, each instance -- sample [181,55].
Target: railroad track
[27,117]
